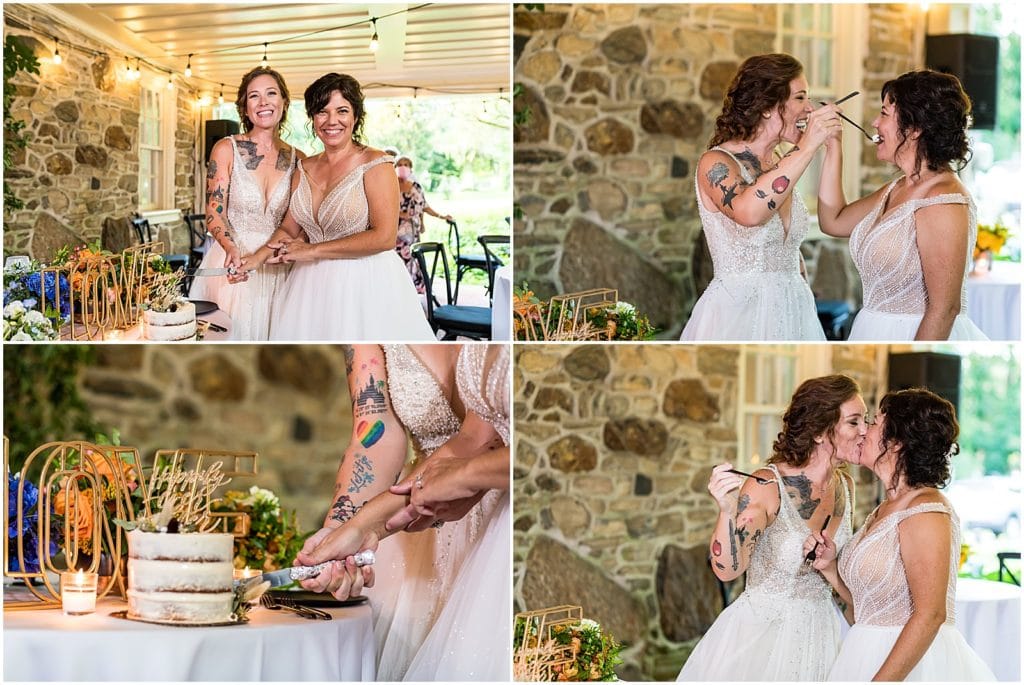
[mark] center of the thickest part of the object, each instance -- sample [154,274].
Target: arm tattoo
[370,398]
[247,151]
[343,509]
[780,184]
[350,356]
[716,177]
[212,171]
[733,550]
[370,433]
[805,505]
[716,547]
[362,473]
[720,566]
[752,162]
[742,503]
[283,161]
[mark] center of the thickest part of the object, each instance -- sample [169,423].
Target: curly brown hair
[761,83]
[319,94]
[813,411]
[243,88]
[936,105]
[924,426]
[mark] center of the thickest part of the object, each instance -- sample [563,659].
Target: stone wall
[288,403]
[82,161]
[621,102]
[613,450]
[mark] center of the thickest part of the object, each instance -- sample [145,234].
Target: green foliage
[18,56]
[597,654]
[41,398]
[274,537]
[989,414]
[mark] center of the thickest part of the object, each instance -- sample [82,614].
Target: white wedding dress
[757,292]
[247,303]
[418,574]
[872,568]
[359,299]
[885,252]
[785,625]
[472,638]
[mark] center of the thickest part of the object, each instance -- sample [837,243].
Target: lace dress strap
[943,199]
[929,507]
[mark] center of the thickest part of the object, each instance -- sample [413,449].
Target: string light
[56,52]
[127,68]
[188,67]
[374,42]
[220,98]
[170,83]
[138,71]
[263,62]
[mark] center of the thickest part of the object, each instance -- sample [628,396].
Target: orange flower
[76,506]
[103,470]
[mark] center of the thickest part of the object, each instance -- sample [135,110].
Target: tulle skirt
[755,306]
[368,299]
[248,303]
[762,637]
[468,641]
[882,326]
[424,598]
[948,659]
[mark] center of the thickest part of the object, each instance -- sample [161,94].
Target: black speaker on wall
[215,129]
[935,371]
[975,61]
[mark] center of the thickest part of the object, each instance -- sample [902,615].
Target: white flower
[14,309]
[624,308]
[36,318]
[259,495]
[21,335]
[589,623]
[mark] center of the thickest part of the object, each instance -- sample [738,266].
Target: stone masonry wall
[288,403]
[614,446]
[621,102]
[82,161]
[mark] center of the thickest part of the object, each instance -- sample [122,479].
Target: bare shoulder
[765,494]
[371,154]
[928,496]
[718,160]
[947,184]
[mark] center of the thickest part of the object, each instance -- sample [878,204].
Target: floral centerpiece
[578,650]
[26,324]
[28,530]
[25,290]
[991,238]
[273,539]
[589,315]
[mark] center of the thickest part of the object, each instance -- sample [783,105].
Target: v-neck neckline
[803,522]
[251,175]
[450,393]
[341,182]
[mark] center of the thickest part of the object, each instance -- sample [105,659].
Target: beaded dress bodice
[418,400]
[483,382]
[253,217]
[767,248]
[887,257]
[777,567]
[873,570]
[342,212]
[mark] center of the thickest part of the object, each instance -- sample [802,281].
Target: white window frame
[799,361]
[163,191]
[849,36]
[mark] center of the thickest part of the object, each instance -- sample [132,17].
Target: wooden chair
[454,320]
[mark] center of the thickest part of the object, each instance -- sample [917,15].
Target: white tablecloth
[988,615]
[501,314]
[274,645]
[993,301]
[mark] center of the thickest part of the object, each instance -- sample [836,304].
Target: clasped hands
[283,251]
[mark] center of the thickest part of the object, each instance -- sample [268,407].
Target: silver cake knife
[219,271]
[298,573]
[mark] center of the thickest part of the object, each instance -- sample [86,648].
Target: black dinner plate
[204,306]
[316,599]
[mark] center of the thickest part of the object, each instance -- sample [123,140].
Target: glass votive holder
[78,592]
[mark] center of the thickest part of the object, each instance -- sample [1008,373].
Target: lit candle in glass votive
[243,573]
[78,592]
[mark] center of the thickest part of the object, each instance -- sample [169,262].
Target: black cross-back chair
[463,262]
[492,259]
[455,320]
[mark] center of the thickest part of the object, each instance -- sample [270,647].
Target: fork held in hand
[759,479]
[813,554]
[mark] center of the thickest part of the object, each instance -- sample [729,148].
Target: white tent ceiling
[433,47]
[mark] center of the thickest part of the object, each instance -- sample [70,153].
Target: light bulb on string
[138,70]
[56,52]
[220,98]
[375,41]
[170,83]
[188,67]
[263,62]
[127,68]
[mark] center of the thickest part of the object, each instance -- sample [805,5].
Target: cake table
[45,645]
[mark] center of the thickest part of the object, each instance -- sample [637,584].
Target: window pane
[825,64]
[825,18]
[806,14]
[787,16]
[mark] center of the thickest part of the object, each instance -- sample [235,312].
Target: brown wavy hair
[935,104]
[925,427]
[243,87]
[813,411]
[319,94]
[761,83]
